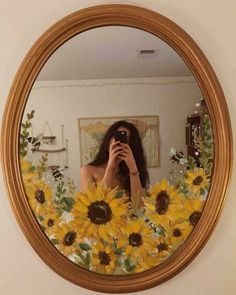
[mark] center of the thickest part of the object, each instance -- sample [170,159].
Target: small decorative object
[44,146]
[199,138]
[48,139]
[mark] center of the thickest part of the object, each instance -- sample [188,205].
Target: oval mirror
[118,178]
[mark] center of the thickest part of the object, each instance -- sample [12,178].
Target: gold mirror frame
[182,43]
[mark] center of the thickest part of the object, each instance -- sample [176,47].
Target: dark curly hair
[135,144]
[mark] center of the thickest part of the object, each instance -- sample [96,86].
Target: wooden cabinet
[193,126]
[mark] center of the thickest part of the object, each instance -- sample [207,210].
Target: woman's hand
[127,155]
[114,150]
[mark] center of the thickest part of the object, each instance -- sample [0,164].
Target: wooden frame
[44,47]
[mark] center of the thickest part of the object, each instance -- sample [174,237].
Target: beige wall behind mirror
[92,68]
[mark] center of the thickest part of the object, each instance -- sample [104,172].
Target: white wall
[63,102]
[212,25]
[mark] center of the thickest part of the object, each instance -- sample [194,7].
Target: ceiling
[113,52]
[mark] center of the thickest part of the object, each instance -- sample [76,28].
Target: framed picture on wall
[92,131]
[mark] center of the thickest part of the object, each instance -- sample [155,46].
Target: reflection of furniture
[56,156]
[193,126]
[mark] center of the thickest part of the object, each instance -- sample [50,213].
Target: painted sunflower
[67,237]
[38,194]
[136,240]
[192,210]
[150,261]
[103,258]
[25,165]
[50,219]
[27,171]
[178,233]
[196,180]
[164,247]
[163,204]
[99,213]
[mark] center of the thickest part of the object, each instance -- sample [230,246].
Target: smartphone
[121,136]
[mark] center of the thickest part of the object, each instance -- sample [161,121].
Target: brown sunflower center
[162,247]
[198,180]
[39,196]
[50,222]
[135,240]
[104,258]
[162,202]
[99,212]
[194,217]
[177,232]
[69,238]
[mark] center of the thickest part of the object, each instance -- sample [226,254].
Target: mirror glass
[110,206]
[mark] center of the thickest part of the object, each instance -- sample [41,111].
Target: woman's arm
[137,191]
[86,177]
[114,151]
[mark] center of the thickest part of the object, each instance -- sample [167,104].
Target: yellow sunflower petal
[137,226]
[114,203]
[150,206]
[163,184]
[84,200]
[81,207]
[91,229]
[119,211]
[121,242]
[128,250]
[197,204]
[103,233]
[108,269]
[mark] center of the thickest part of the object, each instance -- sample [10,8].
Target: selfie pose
[120,162]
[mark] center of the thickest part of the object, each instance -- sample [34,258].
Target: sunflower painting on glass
[107,229]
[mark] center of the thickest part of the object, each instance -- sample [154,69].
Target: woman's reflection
[119,162]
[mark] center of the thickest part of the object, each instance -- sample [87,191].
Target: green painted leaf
[191,163]
[54,241]
[66,208]
[87,258]
[208,137]
[208,144]
[131,268]
[32,169]
[68,201]
[40,218]
[202,191]
[85,246]
[127,263]
[119,194]
[119,251]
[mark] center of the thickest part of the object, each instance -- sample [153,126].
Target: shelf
[49,151]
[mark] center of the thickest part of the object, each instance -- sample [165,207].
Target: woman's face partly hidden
[121,128]
[128,133]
